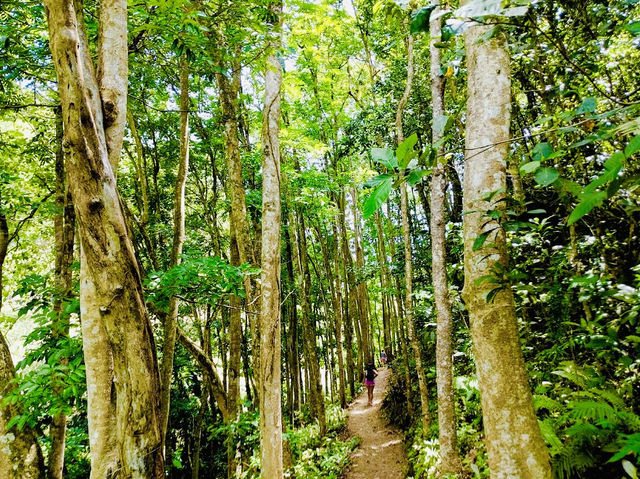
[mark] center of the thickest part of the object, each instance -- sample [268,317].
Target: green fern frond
[594,410]
[548,430]
[571,462]
[544,402]
[610,396]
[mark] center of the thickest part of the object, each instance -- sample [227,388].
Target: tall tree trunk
[514,444]
[269,381]
[308,330]
[22,457]
[239,228]
[121,366]
[64,229]
[384,282]
[361,287]
[408,270]
[352,319]
[449,458]
[171,319]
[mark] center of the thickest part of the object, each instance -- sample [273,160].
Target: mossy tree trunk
[270,372]
[121,366]
[514,443]
[449,457]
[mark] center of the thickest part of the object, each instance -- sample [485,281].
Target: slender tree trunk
[309,332]
[270,372]
[384,282]
[171,320]
[361,287]
[121,366]
[353,320]
[197,432]
[449,458]
[413,339]
[514,444]
[239,231]
[64,227]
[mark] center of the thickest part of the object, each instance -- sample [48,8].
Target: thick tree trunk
[408,270]
[270,372]
[449,457]
[121,366]
[171,319]
[514,444]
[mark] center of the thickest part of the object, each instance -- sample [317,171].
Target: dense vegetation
[381,106]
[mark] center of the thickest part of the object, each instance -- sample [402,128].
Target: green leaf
[480,239]
[633,27]
[588,105]
[375,181]
[384,156]
[530,167]
[586,205]
[420,19]
[441,123]
[633,146]
[403,148]
[542,151]
[416,175]
[377,197]
[546,176]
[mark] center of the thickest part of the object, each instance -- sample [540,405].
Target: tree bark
[64,229]
[120,359]
[308,332]
[449,458]
[361,287]
[20,454]
[270,369]
[171,319]
[514,443]
[408,270]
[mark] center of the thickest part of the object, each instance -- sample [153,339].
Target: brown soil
[381,453]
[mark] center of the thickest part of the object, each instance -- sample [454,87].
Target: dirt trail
[381,453]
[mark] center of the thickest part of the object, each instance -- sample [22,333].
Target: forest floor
[381,453]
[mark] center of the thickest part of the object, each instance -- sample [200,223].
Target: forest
[216,215]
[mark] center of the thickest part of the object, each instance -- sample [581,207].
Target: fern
[601,412]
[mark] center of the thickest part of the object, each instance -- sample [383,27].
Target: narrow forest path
[381,453]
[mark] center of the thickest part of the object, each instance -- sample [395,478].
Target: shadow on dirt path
[381,454]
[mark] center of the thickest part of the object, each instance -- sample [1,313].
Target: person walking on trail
[383,358]
[370,375]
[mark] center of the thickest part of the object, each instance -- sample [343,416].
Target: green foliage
[583,424]
[403,158]
[197,280]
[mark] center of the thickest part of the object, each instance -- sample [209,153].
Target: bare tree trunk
[413,339]
[64,228]
[449,458]
[171,320]
[308,330]
[514,444]
[121,366]
[20,458]
[361,287]
[270,372]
